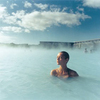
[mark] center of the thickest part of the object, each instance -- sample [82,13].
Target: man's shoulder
[53,72]
[72,73]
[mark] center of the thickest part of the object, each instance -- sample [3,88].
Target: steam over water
[25,75]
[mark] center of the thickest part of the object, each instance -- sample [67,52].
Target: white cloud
[13,5]
[80,9]
[1,32]
[14,18]
[2,11]
[41,6]
[10,19]
[19,14]
[41,20]
[27,31]
[64,9]
[13,29]
[92,3]
[54,8]
[27,4]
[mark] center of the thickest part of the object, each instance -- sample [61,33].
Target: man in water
[63,71]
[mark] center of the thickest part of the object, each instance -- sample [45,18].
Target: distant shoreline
[52,44]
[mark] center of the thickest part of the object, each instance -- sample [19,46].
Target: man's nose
[57,58]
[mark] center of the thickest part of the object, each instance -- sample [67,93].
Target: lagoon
[25,75]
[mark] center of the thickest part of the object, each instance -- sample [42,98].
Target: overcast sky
[31,21]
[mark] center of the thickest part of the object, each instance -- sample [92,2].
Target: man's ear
[67,60]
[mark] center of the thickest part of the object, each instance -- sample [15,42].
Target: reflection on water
[25,75]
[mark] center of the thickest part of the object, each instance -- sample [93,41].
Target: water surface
[25,75]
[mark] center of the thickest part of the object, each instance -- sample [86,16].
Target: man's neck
[63,68]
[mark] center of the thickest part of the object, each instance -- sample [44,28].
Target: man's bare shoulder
[72,73]
[53,72]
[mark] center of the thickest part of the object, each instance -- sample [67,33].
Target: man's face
[61,59]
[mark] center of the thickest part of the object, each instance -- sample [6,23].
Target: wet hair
[65,54]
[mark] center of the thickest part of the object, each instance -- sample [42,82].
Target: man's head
[65,54]
[62,58]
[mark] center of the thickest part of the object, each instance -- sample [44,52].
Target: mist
[90,47]
[25,72]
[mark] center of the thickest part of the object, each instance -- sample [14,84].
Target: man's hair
[65,54]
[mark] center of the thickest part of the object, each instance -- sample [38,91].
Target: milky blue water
[25,75]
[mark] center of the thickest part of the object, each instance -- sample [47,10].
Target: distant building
[50,44]
[89,43]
